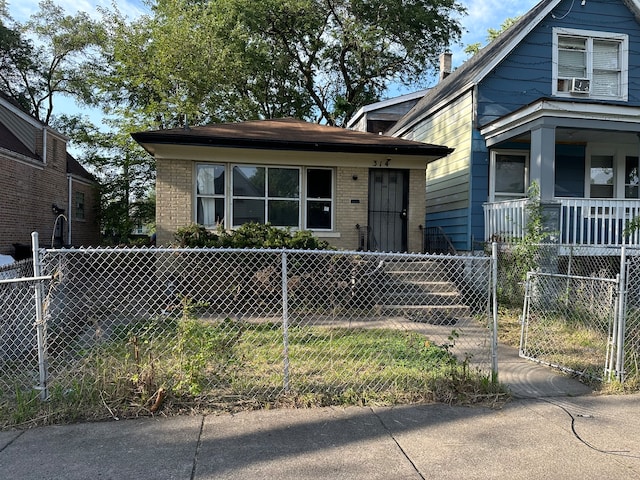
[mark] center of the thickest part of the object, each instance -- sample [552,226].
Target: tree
[226,60]
[16,60]
[492,34]
[46,56]
[125,172]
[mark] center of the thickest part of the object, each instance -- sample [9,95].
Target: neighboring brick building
[42,187]
[293,174]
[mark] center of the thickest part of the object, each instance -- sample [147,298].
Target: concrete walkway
[545,433]
[582,438]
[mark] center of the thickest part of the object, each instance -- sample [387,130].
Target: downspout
[44,145]
[70,212]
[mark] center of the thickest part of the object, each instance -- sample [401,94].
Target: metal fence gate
[573,323]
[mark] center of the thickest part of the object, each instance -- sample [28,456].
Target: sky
[481,15]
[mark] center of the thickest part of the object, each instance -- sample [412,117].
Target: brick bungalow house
[352,189]
[42,187]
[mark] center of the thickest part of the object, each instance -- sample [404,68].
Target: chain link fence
[212,327]
[580,306]
[17,317]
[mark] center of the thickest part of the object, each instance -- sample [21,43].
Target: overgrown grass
[181,364]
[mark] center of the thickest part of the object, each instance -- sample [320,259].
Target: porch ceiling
[575,136]
[574,122]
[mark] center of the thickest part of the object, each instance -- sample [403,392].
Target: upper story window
[590,64]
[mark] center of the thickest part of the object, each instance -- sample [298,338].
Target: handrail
[435,240]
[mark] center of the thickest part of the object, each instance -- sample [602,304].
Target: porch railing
[585,221]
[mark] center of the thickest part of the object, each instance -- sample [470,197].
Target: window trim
[492,177]
[590,36]
[214,195]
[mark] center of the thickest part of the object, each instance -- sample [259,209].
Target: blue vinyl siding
[455,225]
[526,74]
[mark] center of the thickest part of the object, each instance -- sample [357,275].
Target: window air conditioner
[579,85]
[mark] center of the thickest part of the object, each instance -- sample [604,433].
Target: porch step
[423,291]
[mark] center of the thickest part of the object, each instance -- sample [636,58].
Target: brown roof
[287,134]
[75,168]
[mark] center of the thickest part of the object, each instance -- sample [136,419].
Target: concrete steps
[422,291]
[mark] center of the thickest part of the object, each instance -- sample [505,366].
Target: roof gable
[484,62]
[477,67]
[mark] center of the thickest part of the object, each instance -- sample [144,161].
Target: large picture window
[266,194]
[295,197]
[592,64]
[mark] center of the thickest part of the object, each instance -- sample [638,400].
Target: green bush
[249,235]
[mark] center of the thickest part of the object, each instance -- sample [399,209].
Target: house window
[319,199]
[590,64]
[602,176]
[612,171]
[266,194]
[210,191]
[78,209]
[508,174]
[631,177]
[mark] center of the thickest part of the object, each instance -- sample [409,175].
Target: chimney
[445,65]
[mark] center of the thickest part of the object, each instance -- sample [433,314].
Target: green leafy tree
[125,172]
[492,34]
[231,60]
[48,55]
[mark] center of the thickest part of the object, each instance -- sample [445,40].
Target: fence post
[285,321]
[40,326]
[494,308]
[622,303]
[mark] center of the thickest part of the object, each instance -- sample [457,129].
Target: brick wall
[84,232]
[27,192]
[174,198]
[417,209]
[352,200]
[29,188]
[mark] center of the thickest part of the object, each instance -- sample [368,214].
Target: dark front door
[388,202]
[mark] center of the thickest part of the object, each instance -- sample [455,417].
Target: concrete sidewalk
[588,437]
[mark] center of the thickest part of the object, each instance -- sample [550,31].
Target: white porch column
[543,160]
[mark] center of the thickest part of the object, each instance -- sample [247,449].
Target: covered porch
[585,159]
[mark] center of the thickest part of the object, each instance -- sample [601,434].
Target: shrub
[249,235]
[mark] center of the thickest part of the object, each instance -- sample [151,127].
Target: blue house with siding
[554,100]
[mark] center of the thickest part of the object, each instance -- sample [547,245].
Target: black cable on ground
[575,433]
